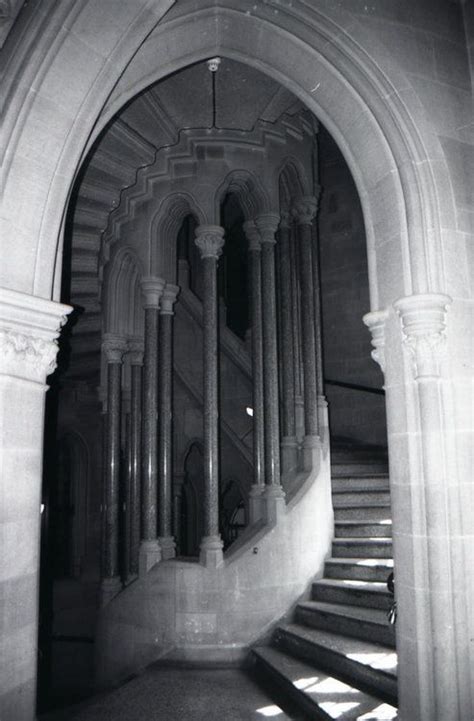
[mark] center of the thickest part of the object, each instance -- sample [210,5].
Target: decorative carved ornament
[252,235]
[267,226]
[152,289]
[29,328]
[305,209]
[168,299]
[423,319]
[210,240]
[135,350]
[114,347]
[375,322]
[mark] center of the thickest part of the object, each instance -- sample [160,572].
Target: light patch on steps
[331,685]
[379,661]
[375,562]
[370,584]
[269,711]
[303,683]
[384,712]
[335,709]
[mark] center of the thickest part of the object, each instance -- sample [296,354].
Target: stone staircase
[337,659]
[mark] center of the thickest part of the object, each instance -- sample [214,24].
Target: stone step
[362,569]
[362,513]
[367,624]
[341,484]
[318,694]
[361,529]
[362,547]
[368,594]
[357,469]
[371,498]
[369,666]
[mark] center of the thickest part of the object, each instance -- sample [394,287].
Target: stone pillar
[150,551]
[178,480]
[113,348]
[136,363]
[210,240]
[255,280]
[304,211]
[267,225]
[125,481]
[29,327]
[289,443]
[165,381]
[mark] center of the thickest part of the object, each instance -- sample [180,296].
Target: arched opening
[400,259]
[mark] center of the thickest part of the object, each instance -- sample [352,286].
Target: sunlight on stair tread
[302,683]
[382,660]
[331,685]
[371,584]
[270,711]
[375,562]
[384,712]
[335,709]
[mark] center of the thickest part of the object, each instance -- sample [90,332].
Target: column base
[255,503]
[289,455]
[211,551]
[109,588]
[150,555]
[311,451]
[274,503]
[168,547]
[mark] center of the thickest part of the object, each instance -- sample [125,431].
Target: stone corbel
[304,209]
[114,347]
[375,322]
[29,328]
[423,320]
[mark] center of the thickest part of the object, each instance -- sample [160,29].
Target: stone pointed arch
[164,228]
[292,181]
[252,197]
[121,294]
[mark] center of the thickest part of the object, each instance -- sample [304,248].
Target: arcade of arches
[216,216]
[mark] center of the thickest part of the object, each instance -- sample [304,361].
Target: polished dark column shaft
[150,552]
[254,252]
[165,379]
[287,355]
[304,211]
[267,225]
[113,347]
[136,363]
[210,240]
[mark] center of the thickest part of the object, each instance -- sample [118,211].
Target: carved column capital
[252,235]
[168,299]
[29,328]
[210,240]
[113,347]
[285,220]
[305,208]
[375,322]
[152,289]
[267,225]
[423,320]
[135,350]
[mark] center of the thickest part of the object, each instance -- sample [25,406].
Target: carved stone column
[323,421]
[113,348]
[304,211]
[136,364]
[150,551]
[289,443]
[165,380]
[267,225]
[210,240]
[178,480]
[29,327]
[254,251]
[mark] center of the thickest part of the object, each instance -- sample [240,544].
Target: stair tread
[360,613]
[387,562]
[378,657]
[356,539]
[349,522]
[378,587]
[329,695]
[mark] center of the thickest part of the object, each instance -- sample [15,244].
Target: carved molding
[168,299]
[135,351]
[423,320]
[285,220]
[375,322]
[29,328]
[210,240]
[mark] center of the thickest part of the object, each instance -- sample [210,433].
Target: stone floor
[179,695]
